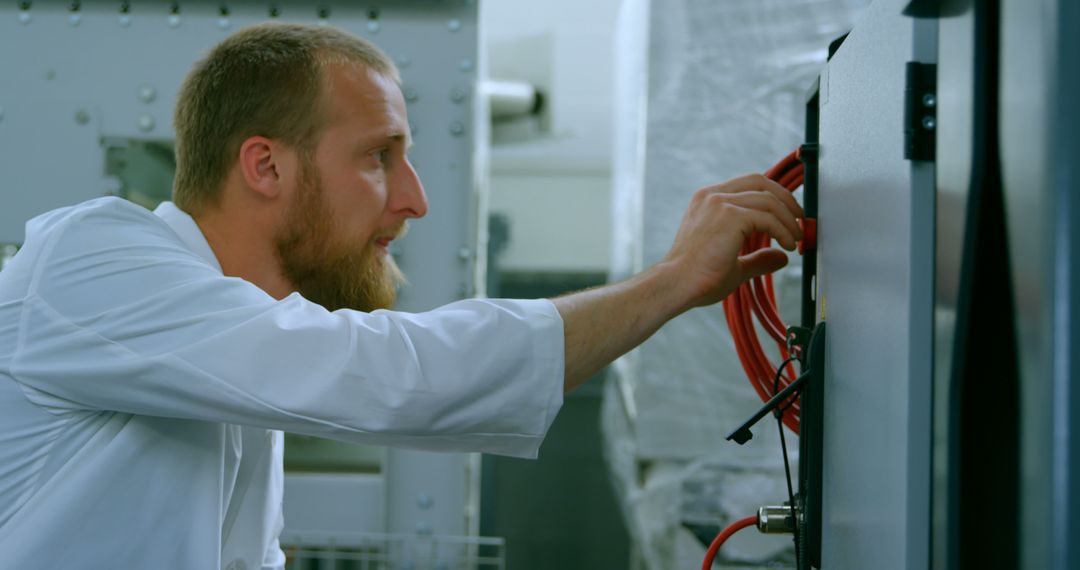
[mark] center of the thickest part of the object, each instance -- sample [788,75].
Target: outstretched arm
[702,267]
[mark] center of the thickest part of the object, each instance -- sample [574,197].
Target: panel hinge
[920,111]
[923,9]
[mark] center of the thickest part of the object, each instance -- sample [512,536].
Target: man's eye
[383,156]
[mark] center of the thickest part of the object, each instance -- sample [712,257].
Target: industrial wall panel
[875,291]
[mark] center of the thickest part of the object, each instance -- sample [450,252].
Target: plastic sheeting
[705,91]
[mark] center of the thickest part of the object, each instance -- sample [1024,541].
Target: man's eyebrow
[402,138]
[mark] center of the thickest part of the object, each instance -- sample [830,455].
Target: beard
[336,273]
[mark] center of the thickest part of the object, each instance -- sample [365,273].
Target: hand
[705,255]
[703,267]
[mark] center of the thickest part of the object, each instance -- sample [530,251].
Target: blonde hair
[266,80]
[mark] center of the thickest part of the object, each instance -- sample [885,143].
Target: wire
[721,538]
[787,467]
[791,494]
[756,299]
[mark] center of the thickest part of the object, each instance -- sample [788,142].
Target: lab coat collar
[185,227]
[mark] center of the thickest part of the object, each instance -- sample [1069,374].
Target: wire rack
[370,551]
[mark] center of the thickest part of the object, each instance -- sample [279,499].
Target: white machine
[942,430]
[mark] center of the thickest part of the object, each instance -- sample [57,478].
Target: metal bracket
[923,9]
[811,430]
[798,339]
[742,434]
[920,111]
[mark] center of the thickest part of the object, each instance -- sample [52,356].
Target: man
[147,359]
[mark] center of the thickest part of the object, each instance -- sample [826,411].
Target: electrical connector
[776,520]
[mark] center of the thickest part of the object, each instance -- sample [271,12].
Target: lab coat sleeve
[120,316]
[275,558]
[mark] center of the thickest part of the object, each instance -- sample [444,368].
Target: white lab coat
[141,391]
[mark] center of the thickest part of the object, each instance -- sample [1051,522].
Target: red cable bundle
[757,297]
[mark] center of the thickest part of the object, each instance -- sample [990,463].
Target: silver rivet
[82,117]
[404,61]
[424,502]
[145,123]
[929,100]
[929,123]
[410,94]
[224,23]
[24,17]
[466,65]
[373,26]
[75,20]
[424,528]
[147,93]
[174,20]
[464,253]
[454,25]
[457,94]
[457,129]
[124,20]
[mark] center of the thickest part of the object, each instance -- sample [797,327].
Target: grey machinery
[947,248]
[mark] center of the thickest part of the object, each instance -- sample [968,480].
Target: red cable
[721,538]
[757,298]
[789,161]
[790,177]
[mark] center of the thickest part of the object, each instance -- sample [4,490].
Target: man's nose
[408,194]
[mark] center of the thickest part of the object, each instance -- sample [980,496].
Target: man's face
[353,195]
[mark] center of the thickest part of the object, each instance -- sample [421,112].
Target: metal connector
[798,338]
[776,520]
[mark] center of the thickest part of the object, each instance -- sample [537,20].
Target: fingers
[756,183]
[761,182]
[768,223]
[768,203]
[716,226]
[761,262]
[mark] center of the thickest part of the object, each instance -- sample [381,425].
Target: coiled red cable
[721,538]
[756,298]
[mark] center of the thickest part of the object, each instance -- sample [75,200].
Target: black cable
[791,494]
[779,413]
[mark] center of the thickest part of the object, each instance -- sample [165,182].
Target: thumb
[761,262]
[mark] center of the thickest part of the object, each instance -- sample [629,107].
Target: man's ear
[263,164]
